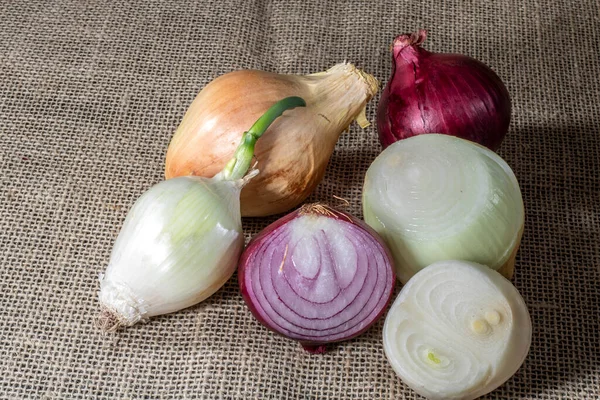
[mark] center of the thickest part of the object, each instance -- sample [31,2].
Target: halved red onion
[317,276]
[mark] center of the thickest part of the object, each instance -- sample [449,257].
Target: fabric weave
[90,94]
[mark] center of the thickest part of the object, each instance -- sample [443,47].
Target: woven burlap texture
[90,94]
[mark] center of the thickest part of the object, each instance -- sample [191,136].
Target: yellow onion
[293,153]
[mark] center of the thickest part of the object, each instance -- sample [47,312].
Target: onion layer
[445,93]
[458,330]
[317,276]
[437,197]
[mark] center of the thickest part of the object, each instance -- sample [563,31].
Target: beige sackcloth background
[90,94]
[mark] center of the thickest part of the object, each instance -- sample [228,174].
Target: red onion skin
[264,235]
[441,93]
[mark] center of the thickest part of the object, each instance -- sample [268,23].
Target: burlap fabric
[90,94]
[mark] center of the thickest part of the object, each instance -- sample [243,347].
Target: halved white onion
[457,330]
[437,197]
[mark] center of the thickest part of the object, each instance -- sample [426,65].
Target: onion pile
[458,330]
[317,276]
[441,93]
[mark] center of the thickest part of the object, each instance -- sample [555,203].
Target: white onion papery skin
[457,330]
[437,197]
[178,245]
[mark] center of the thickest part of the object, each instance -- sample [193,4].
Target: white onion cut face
[457,330]
[316,277]
[437,197]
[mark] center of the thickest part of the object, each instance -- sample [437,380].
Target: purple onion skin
[441,93]
[245,266]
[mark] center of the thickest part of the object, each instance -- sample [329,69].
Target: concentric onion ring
[317,276]
[457,330]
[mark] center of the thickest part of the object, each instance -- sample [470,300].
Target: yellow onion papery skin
[293,153]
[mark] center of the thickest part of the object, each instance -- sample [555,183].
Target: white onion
[457,330]
[179,244]
[437,197]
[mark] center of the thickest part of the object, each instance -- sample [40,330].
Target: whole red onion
[441,93]
[317,275]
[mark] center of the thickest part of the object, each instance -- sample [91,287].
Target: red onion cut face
[441,93]
[317,276]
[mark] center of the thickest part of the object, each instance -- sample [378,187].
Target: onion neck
[341,94]
[414,39]
[238,166]
[407,50]
[407,55]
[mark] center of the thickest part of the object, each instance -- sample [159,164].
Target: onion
[437,197]
[441,93]
[458,330]
[293,153]
[317,276]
